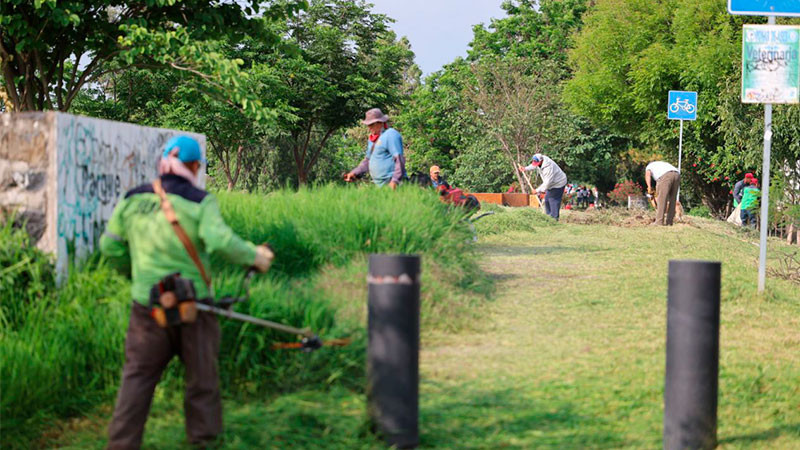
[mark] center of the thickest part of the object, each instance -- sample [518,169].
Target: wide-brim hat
[374,115]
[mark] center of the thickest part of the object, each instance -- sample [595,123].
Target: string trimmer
[309,342]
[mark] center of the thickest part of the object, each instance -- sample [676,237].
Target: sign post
[770,74]
[765,164]
[681,105]
[774,77]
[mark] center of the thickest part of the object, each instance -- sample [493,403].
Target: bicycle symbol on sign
[681,105]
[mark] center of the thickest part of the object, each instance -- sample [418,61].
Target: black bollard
[393,348]
[692,373]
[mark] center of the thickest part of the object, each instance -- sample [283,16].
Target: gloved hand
[264,257]
[651,191]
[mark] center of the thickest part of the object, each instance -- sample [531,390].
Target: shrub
[700,211]
[622,190]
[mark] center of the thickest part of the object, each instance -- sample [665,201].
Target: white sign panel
[771,64]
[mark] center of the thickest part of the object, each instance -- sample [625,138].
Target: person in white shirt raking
[553,182]
[667,180]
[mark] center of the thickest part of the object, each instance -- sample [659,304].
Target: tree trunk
[228,177]
[232,181]
[306,154]
[302,175]
[222,155]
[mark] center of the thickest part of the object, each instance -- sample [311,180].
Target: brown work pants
[148,349]
[667,189]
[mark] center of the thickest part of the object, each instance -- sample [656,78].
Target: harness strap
[169,212]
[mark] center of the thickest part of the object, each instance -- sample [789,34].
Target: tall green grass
[330,225]
[65,355]
[25,273]
[65,352]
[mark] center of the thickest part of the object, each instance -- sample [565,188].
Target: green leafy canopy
[51,49]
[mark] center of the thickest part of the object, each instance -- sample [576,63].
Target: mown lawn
[569,354]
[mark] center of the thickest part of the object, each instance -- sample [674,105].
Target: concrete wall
[72,171]
[27,144]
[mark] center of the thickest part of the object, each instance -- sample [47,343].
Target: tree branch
[71,81]
[60,84]
[239,153]
[222,158]
[8,76]
[308,138]
[84,75]
[28,83]
[321,146]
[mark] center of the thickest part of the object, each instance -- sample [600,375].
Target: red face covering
[374,137]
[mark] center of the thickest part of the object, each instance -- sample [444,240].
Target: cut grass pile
[613,216]
[506,219]
[63,355]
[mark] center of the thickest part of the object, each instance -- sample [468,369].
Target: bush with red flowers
[622,190]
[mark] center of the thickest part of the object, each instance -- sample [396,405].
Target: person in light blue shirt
[384,157]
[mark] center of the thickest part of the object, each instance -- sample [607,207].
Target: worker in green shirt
[140,239]
[749,203]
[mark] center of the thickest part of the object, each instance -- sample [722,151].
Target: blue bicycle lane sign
[764,7]
[682,105]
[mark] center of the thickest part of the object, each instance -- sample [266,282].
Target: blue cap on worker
[188,149]
[536,159]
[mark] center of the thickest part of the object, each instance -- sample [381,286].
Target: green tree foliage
[631,52]
[531,29]
[435,125]
[171,99]
[516,103]
[349,61]
[509,88]
[337,60]
[51,49]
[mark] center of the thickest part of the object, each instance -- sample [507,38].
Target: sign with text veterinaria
[771,64]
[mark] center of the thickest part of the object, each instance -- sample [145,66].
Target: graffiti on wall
[98,161]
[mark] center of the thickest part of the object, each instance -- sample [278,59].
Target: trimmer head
[311,343]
